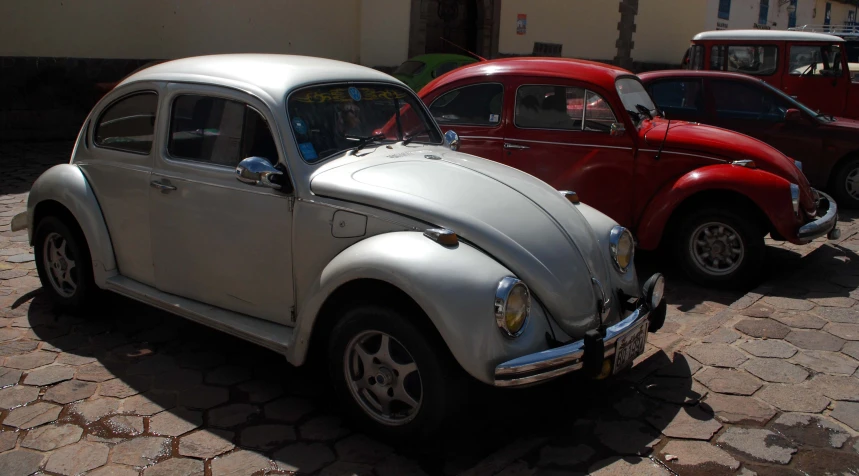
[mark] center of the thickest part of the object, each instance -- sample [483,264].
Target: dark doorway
[469,24]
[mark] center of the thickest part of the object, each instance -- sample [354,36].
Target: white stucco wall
[384,32]
[664,29]
[586,28]
[138,29]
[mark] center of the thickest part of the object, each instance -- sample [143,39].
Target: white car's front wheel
[64,264]
[388,372]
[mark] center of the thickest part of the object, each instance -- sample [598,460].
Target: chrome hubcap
[60,265]
[716,248]
[383,378]
[852,183]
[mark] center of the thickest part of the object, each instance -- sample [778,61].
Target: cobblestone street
[760,383]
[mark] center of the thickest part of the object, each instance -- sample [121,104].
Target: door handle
[164,187]
[515,146]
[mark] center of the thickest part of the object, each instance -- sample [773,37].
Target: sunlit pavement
[763,383]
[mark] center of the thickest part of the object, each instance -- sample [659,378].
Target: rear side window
[678,95]
[128,124]
[753,60]
[218,131]
[477,105]
[562,108]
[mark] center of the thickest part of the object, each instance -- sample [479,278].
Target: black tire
[437,375]
[76,249]
[745,272]
[839,184]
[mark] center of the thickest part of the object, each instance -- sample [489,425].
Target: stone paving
[763,383]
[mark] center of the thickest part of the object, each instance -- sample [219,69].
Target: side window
[754,60]
[562,108]
[128,124]
[717,58]
[444,68]
[218,131]
[696,58]
[678,95]
[735,100]
[477,105]
[815,61]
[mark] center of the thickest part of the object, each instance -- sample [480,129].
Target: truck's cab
[811,67]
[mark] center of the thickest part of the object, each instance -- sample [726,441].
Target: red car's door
[758,111]
[816,76]
[562,128]
[475,112]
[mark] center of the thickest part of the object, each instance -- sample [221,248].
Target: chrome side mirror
[258,171]
[617,129]
[451,138]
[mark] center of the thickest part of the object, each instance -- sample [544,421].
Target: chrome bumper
[825,225]
[552,363]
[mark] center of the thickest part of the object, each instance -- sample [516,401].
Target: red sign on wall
[521,23]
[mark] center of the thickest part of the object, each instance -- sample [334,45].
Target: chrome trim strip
[823,225]
[282,196]
[552,363]
[510,139]
[686,154]
[481,137]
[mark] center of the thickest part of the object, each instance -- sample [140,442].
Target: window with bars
[764,12]
[724,9]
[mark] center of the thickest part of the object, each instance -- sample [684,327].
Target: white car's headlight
[622,247]
[512,306]
[794,198]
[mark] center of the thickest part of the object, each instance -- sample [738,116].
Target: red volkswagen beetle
[709,193]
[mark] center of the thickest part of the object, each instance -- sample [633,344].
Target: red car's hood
[844,124]
[728,145]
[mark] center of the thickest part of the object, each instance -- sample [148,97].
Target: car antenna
[664,138]
[481,58]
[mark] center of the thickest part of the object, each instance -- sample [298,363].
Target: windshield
[410,68]
[330,119]
[802,107]
[635,99]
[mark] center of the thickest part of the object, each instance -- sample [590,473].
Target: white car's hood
[516,218]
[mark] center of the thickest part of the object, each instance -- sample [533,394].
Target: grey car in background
[315,208]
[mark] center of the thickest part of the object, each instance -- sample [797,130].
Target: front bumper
[552,363]
[825,225]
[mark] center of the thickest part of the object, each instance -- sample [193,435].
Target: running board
[261,332]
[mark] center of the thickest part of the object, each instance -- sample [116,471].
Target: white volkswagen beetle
[312,205]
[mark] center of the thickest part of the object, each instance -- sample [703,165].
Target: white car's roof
[274,74]
[767,35]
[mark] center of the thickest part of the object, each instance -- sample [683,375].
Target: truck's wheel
[388,373]
[845,184]
[720,247]
[64,264]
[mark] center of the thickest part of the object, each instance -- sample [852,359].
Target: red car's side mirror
[793,115]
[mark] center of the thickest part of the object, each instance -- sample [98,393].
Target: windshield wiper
[411,137]
[364,140]
[644,111]
[635,115]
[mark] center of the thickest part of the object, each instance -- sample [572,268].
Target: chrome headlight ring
[622,247]
[519,306]
[794,198]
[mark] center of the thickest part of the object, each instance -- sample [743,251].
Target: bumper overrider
[590,354]
[825,225]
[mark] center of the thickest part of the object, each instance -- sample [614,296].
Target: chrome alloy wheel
[852,183]
[717,248]
[60,265]
[383,378]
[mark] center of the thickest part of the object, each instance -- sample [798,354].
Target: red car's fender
[769,192]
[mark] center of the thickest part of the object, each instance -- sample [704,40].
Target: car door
[215,239]
[475,112]
[680,99]
[754,109]
[562,131]
[117,158]
[816,76]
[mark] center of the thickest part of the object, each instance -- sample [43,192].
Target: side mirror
[258,171]
[451,138]
[617,129]
[793,115]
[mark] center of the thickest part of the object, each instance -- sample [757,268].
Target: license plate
[629,347]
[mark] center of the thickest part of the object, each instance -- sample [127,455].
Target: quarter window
[815,61]
[218,131]
[477,105]
[753,60]
[562,108]
[128,124]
